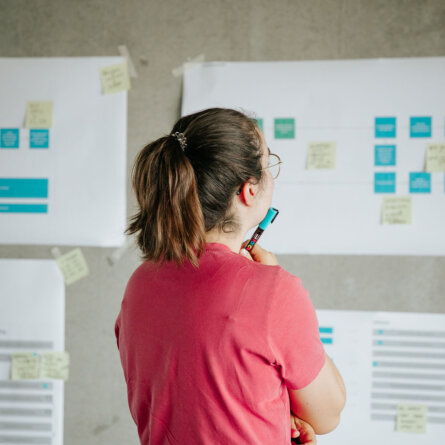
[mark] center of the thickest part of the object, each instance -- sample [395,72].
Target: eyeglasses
[274,167]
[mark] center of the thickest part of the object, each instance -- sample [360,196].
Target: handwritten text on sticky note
[435,158]
[115,78]
[73,266]
[39,115]
[411,418]
[396,210]
[321,155]
[25,366]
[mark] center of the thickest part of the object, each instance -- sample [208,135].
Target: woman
[217,346]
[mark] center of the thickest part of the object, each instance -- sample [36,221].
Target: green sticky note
[396,210]
[115,78]
[284,128]
[25,366]
[411,418]
[54,365]
[73,266]
[321,156]
[39,115]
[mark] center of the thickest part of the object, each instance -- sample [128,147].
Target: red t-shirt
[208,353]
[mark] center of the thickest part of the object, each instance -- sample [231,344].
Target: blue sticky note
[326,340]
[23,208]
[385,127]
[9,138]
[385,182]
[420,127]
[23,188]
[38,138]
[385,155]
[420,182]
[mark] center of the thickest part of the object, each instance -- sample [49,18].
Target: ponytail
[170,221]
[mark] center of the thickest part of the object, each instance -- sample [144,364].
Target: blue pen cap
[270,218]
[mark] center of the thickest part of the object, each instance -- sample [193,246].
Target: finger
[246,254]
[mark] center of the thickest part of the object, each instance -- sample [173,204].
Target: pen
[270,218]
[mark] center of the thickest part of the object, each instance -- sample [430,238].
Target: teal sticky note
[420,127]
[284,128]
[385,182]
[9,138]
[385,155]
[420,182]
[385,127]
[23,188]
[38,138]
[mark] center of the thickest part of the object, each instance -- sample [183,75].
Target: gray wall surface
[161,35]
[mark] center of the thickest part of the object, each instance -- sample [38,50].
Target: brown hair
[184,193]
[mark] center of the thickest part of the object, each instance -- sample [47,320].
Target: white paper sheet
[84,164]
[337,211]
[32,319]
[386,358]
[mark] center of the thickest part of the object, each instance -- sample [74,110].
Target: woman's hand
[302,430]
[259,255]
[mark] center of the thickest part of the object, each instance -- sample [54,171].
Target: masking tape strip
[123,51]
[55,252]
[189,63]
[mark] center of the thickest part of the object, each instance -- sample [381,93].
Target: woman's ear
[248,192]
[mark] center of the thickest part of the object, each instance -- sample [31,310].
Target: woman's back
[208,353]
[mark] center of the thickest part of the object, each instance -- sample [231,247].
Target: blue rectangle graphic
[420,182]
[420,127]
[385,182]
[23,188]
[23,208]
[38,138]
[9,138]
[385,155]
[385,127]
[326,341]
[325,330]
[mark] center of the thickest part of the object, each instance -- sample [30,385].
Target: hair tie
[181,139]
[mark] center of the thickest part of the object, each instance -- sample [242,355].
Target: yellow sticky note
[435,158]
[321,155]
[396,210]
[411,418]
[25,366]
[54,365]
[39,115]
[73,266]
[115,78]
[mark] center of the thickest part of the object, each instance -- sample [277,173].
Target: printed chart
[363,145]
[388,360]
[31,411]
[62,153]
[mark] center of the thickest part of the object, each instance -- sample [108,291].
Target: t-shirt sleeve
[293,334]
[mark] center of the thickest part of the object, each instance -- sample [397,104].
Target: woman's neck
[232,240]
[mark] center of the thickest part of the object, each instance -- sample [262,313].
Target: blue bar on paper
[23,208]
[385,127]
[420,182]
[420,127]
[385,155]
[324,330]
[385,182]
[326,341]
[23,188]
[9,138]
[38,138]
